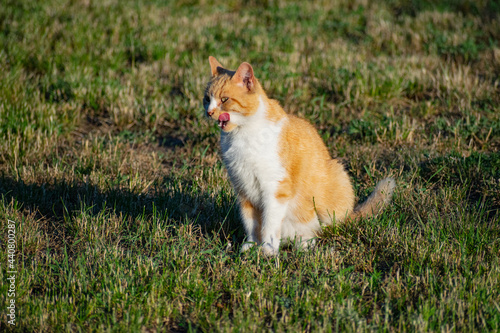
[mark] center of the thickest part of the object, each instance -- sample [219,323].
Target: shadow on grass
[478,173]
[60,201]
[487,10]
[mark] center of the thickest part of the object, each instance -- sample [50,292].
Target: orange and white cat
[287,183]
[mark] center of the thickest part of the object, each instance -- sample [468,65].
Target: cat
[286,182]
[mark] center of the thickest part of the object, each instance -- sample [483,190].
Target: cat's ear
[214,64]
[244,76]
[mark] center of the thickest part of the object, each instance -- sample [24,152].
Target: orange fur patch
[317,182]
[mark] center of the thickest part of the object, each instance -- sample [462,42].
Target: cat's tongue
[223,119]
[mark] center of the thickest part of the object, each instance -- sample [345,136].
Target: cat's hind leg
[304,234]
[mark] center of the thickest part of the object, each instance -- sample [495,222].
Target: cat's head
[231,96]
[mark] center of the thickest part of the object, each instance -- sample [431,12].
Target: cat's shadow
[60,201]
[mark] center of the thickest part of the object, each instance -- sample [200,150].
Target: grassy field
[124,216]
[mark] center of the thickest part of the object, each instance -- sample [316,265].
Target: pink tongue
[224,117]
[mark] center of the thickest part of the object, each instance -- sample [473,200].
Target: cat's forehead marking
[217,84]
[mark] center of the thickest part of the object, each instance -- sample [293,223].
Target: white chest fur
[251,155]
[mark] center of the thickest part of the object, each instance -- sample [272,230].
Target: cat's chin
[222,124]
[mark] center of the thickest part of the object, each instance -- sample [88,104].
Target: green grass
[126,220]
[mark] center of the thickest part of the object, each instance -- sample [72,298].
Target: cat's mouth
[223,120]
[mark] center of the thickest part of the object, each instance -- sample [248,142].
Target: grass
[126,220]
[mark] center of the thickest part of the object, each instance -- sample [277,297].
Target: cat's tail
[377,201]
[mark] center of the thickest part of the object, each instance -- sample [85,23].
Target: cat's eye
[224,99]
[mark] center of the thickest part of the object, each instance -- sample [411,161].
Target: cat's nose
[210,112]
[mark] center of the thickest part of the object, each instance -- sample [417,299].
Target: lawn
[123,217]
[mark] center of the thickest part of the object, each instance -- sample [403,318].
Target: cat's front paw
[247,246]
[269,250]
